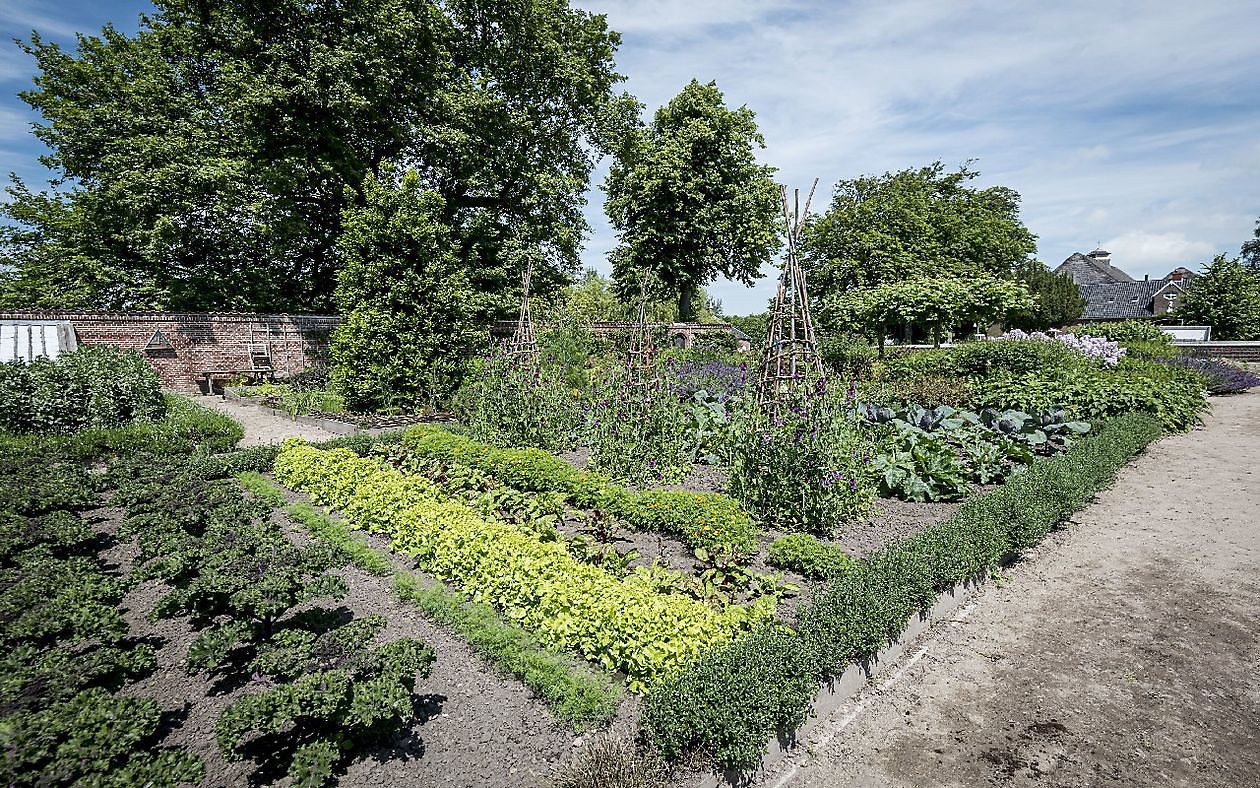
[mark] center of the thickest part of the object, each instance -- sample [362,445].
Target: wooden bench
[252,375]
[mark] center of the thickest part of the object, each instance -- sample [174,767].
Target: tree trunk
[686,304]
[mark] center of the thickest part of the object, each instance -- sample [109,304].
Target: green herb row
[625,625]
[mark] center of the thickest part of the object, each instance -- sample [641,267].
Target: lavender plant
[721,380]
[806,468]
[1219,377]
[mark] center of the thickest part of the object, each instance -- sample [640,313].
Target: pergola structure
[791,347]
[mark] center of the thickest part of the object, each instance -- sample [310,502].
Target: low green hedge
[726,706]
[706,520]
[805,555]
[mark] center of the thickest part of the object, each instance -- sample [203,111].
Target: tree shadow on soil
[273,752]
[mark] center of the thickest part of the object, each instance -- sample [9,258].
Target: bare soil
[1123,651]
[476,727]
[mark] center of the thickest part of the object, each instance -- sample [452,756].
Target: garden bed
[469,716]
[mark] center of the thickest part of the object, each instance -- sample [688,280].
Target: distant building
[1111,294]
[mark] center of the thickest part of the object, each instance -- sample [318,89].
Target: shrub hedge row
[706,520]
[91,387]
[726,705]
[625,625]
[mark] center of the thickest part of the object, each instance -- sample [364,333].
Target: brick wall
[1238,351]
[200,342]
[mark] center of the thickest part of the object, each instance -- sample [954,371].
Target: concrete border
[840,690]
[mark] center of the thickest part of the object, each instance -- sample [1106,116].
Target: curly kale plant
[330,691]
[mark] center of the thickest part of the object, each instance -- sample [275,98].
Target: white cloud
[23,16]
[1113,121]
[1139,253]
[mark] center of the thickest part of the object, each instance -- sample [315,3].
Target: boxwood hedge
[726,705]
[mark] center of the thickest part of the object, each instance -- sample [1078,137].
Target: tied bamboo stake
[791,346]
[524,342]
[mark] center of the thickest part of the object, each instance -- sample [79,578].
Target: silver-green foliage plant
[930,454]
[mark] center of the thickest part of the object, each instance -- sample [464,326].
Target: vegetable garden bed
[412,606]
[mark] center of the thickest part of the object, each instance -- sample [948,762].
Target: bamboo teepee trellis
[524,345]
[791,347]
[641,356]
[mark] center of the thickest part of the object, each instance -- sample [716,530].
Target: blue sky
[1133,124]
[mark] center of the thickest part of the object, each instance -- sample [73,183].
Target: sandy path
[1124,651]
[262,427]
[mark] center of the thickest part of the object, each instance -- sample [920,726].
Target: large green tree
[939,303]
[914,223]
[1226,296]
[1057,301]
[1251,249]
[409,323]
[207,160]
[689,200]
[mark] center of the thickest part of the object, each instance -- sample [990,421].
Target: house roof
[1086,270]
[1120,300]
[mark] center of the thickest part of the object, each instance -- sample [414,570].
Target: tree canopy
[939,303]
[1057,301]
[207,161]
[689,200]
[910,224]
[1251,249]
[1226,296]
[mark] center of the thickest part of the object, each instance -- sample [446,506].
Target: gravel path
[1124,651]
[262,427]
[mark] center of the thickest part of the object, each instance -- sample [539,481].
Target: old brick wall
[1238,351]
[201,341]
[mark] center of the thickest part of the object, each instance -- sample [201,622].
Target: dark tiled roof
[1120,300]
[1085,270]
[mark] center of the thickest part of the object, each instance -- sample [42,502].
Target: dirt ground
[261,427]
[1122,652]
[476,728]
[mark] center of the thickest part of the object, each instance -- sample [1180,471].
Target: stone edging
[839,691]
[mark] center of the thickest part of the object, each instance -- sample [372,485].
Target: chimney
[1146,277]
